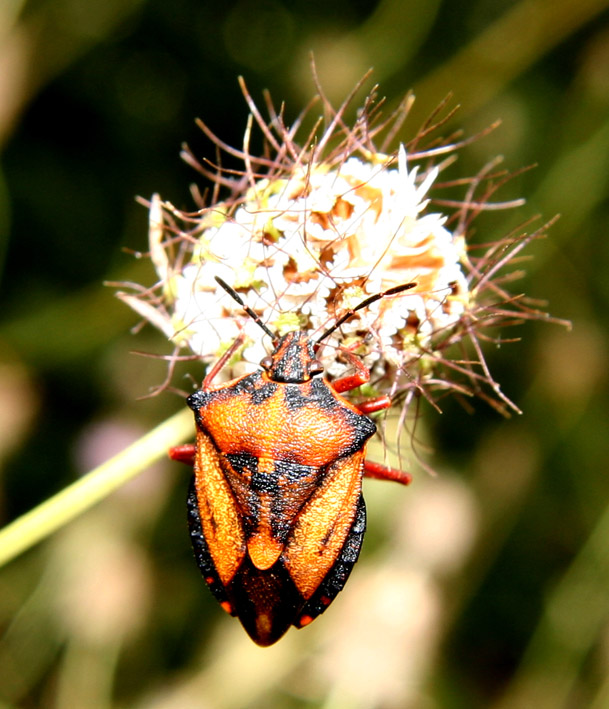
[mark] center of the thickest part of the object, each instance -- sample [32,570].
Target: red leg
[222,361]
[186,453]
[352,381]
[382,472]
[183,454]
[359,377]
[371,406]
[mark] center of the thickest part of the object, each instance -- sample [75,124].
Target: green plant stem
[63,507]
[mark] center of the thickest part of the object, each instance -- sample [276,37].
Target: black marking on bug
[260,394]
[198,399]
[243,463]
[294,396]
[294,472]
[265,482]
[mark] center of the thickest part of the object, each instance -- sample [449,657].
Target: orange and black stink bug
[275,508]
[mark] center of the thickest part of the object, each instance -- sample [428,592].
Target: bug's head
[293,359]
[294,355]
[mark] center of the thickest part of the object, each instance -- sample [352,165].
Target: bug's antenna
[254,316]
[364,304]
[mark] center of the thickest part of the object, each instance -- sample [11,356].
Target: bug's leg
[359,377]
[222,361]
[371,406]
[186,453]
[183,454]
[352,381]
[378,470]
[382,472]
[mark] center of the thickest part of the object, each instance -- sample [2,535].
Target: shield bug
[275,508]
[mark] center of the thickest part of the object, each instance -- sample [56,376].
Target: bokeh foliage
[485,586]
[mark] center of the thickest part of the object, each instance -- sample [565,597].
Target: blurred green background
[486,586]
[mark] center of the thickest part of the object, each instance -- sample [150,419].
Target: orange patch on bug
[264,549]
[220,518]
[322,527]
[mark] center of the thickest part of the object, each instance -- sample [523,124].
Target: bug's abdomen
[268,602]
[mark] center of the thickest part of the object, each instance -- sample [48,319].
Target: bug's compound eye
[266,363]
[316,367]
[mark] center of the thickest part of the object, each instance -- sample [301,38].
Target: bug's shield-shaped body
[276,511]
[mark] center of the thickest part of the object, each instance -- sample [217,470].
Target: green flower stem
[63,507]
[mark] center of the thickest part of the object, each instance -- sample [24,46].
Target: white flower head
[315,230]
